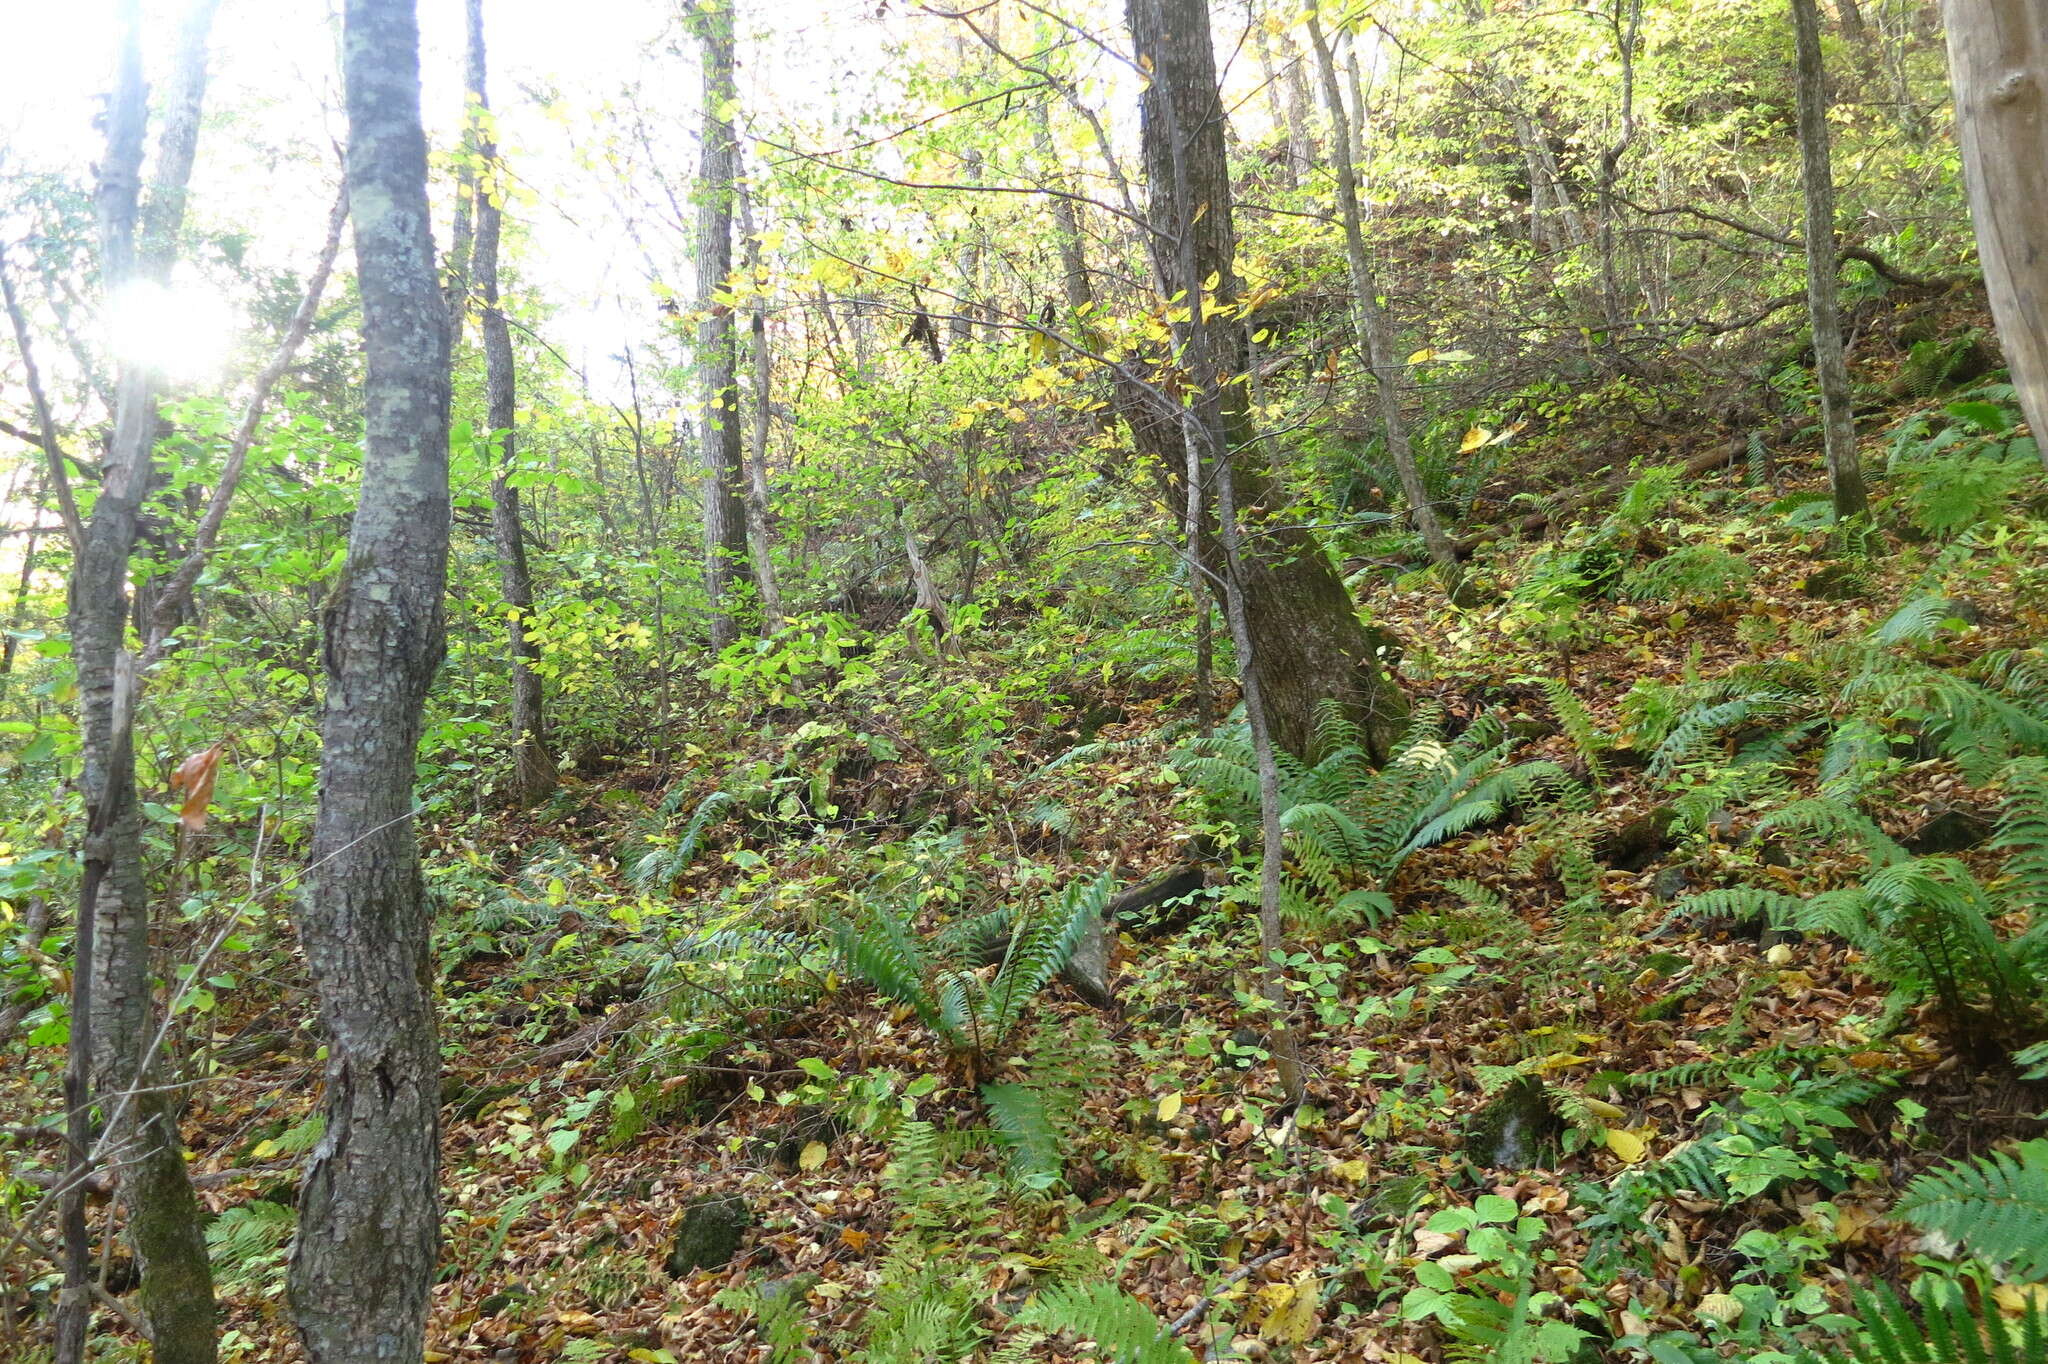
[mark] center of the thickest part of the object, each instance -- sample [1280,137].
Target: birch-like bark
[1369,320]
[534,775]
[759,542]
[1823,306]
[1998,67]
[725,472]
[364,1257]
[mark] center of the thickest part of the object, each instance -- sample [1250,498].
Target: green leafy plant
[936,976]
[1995,1205]
[1947,1330]
[1350,826]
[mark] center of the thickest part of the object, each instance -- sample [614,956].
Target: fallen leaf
[1626,1144]
[1169,1106]
[812,1156]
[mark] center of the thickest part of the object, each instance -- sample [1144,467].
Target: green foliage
[934,976]
[1960,475]
[1123,1329]
[665,861]
[1946,1331]
[247,1242]
[1351,826]
[1577,722]
[1696,575]
[1996,1205]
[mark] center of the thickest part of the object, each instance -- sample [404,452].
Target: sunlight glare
[180,331]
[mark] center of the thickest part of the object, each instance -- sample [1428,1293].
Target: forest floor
[560,1217]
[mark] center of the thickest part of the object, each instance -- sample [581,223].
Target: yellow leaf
[1169,1106]
[1626,1144]
[264,1150]
[2014,1298]
[1353,1170]
[1422,356]
[812,1157]
[1474,438]
[1292,1322]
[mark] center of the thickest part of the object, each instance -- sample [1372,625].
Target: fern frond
[1996,1205]
[1024,1125]
[1577,721]
[1123,1329]
[2023,834]
[1946,1332]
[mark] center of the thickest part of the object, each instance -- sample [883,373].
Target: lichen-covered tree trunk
[1998,67]
[1823,306]
[142,1140]
[725,470]
[364,1257]
[1309,644]
[533,764]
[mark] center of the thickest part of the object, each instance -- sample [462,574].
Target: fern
[1946,1332]
[936,978]
[1996,1205]
[1350,826]
[663,865]
[1123,1329]
[1577,722]
[1025,1127]
[248,1238]
[2023,835]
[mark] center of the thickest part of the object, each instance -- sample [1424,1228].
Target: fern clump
[1692,575]
[1349,825]
[936,976]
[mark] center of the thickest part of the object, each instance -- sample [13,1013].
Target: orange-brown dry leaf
[194,779]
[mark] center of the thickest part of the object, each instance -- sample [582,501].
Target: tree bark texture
[1309,645]
[534,775]
[1180,110]
[142,1138]
[759,542]
[1369,319]
[725,471]
[1823,306]
[364,1257]
[1998,67]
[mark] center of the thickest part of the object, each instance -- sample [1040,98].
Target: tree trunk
[725,471]
[1998,67]
[1181,129]
[1369,319]
[364,1257]
[1309,643]
[1830,365]
[113,1021]
[758,540]
[534,775]
[1262,44]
